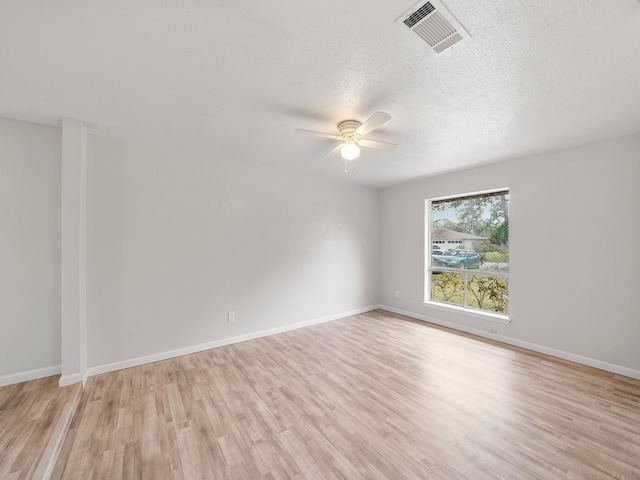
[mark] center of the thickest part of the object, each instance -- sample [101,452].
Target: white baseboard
[70,379]
[135,362]
[30,375]
[591,362]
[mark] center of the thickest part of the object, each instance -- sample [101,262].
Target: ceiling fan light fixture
[350,151]
[352,135]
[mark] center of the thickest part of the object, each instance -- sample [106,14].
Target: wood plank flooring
[373,396]
[29,414]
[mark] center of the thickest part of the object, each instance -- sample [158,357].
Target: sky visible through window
[447,212]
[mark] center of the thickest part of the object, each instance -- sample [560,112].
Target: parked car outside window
[457,259]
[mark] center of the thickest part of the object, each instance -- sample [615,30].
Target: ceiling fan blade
[333,150]
[377,145]
[332,136]
[376,120]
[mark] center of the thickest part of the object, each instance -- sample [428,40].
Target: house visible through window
[467,251]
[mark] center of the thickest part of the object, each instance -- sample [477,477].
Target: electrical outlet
[231,317]
[397,293]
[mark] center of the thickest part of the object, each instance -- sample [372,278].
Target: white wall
[570,294]
[175,242]
[29,250]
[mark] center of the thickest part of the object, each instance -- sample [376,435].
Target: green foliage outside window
[483,292]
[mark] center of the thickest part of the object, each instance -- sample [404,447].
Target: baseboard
[54,446]
[135,362]
[591,362]
[30,375]
[66,380]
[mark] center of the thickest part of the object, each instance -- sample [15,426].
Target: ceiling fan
[352,135]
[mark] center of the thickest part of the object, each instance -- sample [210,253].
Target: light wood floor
[29,414]
[373,396]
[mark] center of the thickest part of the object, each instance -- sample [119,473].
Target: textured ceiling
[233,80]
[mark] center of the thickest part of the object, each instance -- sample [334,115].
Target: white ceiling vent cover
[432,22]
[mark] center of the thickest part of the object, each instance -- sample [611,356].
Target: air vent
[419,14]
[434,24]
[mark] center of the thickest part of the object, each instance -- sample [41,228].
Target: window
[473,273]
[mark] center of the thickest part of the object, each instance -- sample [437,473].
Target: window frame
[428,278]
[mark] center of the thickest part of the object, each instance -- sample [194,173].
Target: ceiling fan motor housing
[348,129]
[348,126]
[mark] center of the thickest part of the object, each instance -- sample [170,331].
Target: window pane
[474,227]
[469,234]
[488,293]
[447,287]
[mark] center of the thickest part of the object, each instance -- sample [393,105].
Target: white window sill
[494,317]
